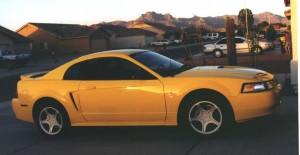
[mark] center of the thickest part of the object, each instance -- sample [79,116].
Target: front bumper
[252,105]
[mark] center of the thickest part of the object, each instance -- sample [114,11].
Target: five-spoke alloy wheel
[205,117]
[51,119]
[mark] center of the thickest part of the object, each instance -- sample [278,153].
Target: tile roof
[13,35]
[121,31]
[113,29]
[66,30]
[135,32]
[163,27]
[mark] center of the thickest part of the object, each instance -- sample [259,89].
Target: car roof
[116,52]
[236,37]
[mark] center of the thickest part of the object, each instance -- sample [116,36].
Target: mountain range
[209,22]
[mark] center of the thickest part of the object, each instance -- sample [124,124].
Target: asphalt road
[275,134]
[8,86]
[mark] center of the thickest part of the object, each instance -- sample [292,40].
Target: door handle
[90,87]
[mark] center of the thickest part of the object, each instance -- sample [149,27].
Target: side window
[73,73]
[107,69]
[238,40]
[222,41]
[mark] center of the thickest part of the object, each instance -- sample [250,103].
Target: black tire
[218,53]
[257,50]
[51,119]
[205,116]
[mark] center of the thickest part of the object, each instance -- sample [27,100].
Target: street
[275,134]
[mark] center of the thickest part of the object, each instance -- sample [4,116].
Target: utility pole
[247,31]
[231,50]
[247,37]
[202,47]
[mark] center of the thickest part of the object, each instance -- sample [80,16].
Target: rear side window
[222,41]
[239,40]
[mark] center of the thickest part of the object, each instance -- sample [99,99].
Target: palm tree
[245,17]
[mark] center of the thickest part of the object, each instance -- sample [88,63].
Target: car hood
[227,71]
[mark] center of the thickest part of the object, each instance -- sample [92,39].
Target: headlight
[257,87]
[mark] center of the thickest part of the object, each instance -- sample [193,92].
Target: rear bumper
[22,110]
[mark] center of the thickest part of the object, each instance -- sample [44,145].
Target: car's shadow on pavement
[264,126]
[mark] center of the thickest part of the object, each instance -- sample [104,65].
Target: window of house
[43,46]
[107,69]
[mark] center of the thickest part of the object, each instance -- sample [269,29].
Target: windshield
[160,64]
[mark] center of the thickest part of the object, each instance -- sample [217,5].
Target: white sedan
[163,42]
[243,45]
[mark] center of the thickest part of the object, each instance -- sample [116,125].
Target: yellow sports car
[143,88]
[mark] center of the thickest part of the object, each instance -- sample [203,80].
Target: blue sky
[16,13]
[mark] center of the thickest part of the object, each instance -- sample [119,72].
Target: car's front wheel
[218,53]
[51,119]
[205,117]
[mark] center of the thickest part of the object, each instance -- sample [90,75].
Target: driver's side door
[118,90]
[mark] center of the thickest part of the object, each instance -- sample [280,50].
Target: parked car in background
[243,45]
[176,42]
[211,36]
[141,88]
[9,59]
[262,36]
[163,42]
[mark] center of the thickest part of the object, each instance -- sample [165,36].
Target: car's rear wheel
[257,50]
[218,53]
[51,119]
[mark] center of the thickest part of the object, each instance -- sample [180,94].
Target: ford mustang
[143,88]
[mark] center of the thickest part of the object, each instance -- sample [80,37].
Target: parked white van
[211,36]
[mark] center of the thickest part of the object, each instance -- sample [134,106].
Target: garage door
[4,46]
[99,45]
